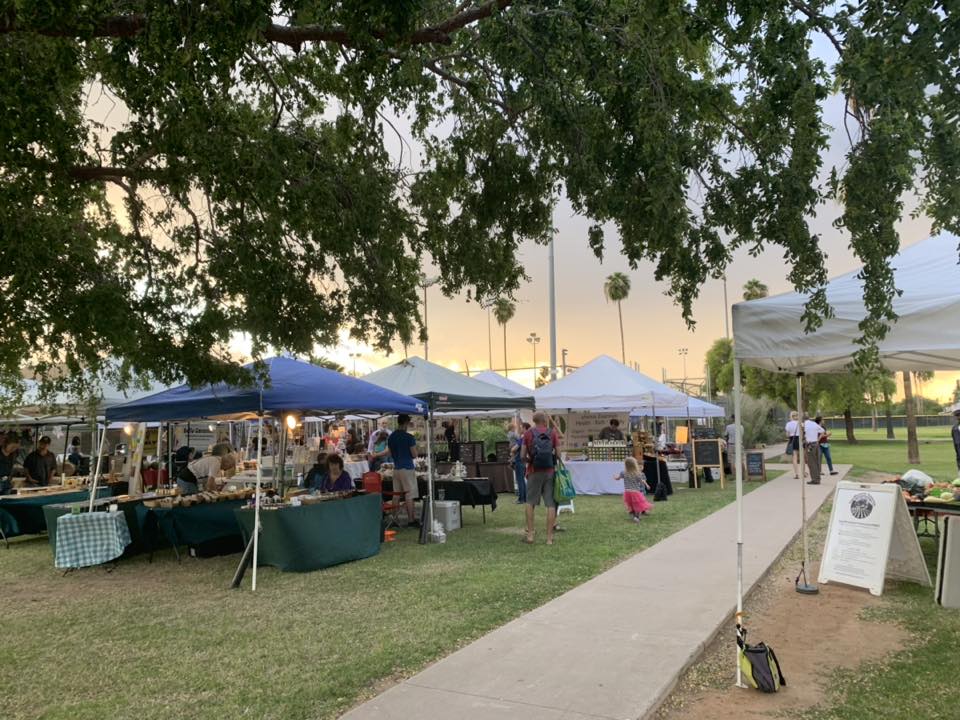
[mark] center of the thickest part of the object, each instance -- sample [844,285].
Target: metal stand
[805,587]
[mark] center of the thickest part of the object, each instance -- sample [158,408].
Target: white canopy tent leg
[428,518]
[256,501]
[804,587]
[738,475]
[96,474]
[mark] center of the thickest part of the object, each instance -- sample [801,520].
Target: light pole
[354,356]
[563,354]
[553,318]
[426,282]
[683,353]
[534,340]
[726,307]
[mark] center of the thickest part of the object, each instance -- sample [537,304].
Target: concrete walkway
[614,646]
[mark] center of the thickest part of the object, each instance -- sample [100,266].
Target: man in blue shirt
[403,448]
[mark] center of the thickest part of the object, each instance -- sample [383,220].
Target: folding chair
[392,500]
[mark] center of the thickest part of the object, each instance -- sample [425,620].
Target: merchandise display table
[23,514]
[91,538]
[315,536]
[595,477]
[196,525]
[499,473]
[356,469]
[128,507]
[469,491]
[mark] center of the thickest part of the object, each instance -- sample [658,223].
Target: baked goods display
[200,498]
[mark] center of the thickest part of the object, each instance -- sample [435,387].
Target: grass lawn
[162,639]
[915,683]
[874,452]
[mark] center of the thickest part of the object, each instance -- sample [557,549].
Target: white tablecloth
[594,477]
[356,469]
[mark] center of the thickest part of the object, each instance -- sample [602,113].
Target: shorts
[793,444]
[406,480]
[540,485]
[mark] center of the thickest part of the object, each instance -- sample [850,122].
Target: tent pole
[738,475]
[66,444]
[425,532]
[96,474]
[256,500]
[805,587]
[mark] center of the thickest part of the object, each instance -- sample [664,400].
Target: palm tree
[913,445]
[503,311]
[753,289]
[616,289]
[325,362]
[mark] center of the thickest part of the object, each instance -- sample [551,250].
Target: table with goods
[22,513]
[457,487]
[927,500]
[594,467]
[308,532]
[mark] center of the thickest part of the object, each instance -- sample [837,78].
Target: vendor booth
[444,391]
[769,333]
[601,390]
[286,389]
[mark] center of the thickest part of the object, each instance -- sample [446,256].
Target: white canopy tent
[604,384]
[696,408]
[768,333]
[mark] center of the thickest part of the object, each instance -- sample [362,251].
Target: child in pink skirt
[634,489]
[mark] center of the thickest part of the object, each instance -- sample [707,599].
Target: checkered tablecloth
[90,538]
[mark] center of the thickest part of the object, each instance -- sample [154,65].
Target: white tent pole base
[805,587]
[256,518]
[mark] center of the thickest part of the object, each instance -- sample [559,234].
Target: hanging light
[128,429]
[291,422]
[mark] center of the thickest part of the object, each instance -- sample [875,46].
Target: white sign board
[580,426]
[870,538]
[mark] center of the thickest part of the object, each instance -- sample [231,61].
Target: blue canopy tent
[285,386]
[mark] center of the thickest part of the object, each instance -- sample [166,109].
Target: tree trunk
[913,446]
[888,411]
[848,425]
[506,370]
[623,346]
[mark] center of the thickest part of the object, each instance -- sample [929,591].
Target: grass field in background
[873,451]
[162,639]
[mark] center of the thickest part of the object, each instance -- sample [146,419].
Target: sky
[587,325]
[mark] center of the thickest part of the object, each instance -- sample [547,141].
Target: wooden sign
[871,538]
[707,454]
[756,465]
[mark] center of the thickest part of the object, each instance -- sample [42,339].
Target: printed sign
[756,467]
[871,538]
[581,426]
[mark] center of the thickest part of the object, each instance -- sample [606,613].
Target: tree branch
[821,22]
[121,26]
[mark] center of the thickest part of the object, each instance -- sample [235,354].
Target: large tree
[616,288]
[249,180]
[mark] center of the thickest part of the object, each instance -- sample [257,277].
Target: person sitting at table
[8,460]
[612,431]
[205,470]
[337,479]
[380,452]
[316,474]
[41,464]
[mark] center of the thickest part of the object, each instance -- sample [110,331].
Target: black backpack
[759,665]
[541,451]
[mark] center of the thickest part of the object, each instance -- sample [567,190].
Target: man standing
[811,449]
[453,445]
[403,447]
[540,449]
[9,455]
[612,431]
[730,435]
[955,433]
[40,465]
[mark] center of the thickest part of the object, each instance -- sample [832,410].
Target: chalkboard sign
[705,432]
[756,468]
[503,451]
[706,453]
[471,452]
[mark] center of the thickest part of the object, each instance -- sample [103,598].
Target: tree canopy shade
[246,183]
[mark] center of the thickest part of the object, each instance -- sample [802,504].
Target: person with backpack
[540,450]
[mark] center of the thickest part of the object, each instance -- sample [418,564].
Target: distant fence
[899,421]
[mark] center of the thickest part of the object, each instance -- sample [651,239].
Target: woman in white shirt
[205,470]
[792,429]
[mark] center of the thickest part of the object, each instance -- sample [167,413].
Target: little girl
[634,487]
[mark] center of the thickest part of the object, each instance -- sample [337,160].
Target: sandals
[527,539]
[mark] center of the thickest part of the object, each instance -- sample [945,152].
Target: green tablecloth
[27,510]
[129,509]
[194,525]
[91,538]
[310,537]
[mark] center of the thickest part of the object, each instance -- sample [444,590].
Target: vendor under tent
[605,385]
[696,408]
[769,333]
[286,387]
[444,390]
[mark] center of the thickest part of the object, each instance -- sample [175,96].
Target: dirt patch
[812,635]
[874,476]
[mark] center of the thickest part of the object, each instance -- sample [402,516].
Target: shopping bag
[563,484]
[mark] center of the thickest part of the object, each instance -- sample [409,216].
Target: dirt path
[811,635]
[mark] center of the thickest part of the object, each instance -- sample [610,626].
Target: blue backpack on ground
[541,450]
